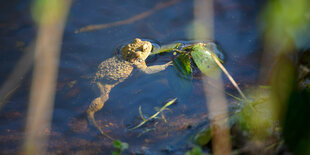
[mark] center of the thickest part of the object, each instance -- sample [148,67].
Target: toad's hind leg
[97,105]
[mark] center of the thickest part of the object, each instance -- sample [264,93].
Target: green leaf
[117,144]
[116,153]
[202,58]
[204,137]
[183,63]
[195,151]
[121,146]
[167,48]
[255,116]
[296,122]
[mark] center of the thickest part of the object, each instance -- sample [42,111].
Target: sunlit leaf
[216,50]
[202,58]
[183,64]
[167,48]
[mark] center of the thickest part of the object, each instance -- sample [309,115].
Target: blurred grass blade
[141,115]
[14,80]
[50,17]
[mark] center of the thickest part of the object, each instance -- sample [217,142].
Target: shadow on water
[82,52]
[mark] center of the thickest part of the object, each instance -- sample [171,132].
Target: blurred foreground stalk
[50,16]
[216,101]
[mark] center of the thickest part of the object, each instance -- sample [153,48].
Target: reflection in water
[135,18]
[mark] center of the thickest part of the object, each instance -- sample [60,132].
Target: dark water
[235,30]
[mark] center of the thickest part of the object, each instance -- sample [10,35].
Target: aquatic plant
[145,120]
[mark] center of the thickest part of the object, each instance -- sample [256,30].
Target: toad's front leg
[155,68]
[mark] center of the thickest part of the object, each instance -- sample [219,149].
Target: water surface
[235,30]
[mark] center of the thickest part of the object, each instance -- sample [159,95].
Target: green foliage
[203,59]
[203,137]
[296,123]
[284,20]
[183,63]
[200,53]
[255,116]
[195,151]
[120,147]
[167,48]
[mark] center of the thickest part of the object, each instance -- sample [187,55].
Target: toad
[118,68]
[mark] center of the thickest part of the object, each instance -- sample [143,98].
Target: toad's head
[137,51]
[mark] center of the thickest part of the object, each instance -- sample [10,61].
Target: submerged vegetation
[145,120]
[252,115]
[199,53]
[120,147]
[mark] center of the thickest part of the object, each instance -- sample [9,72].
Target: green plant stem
[153,116]
[229,76]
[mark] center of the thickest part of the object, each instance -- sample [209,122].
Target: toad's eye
[145,46]
[140,60]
